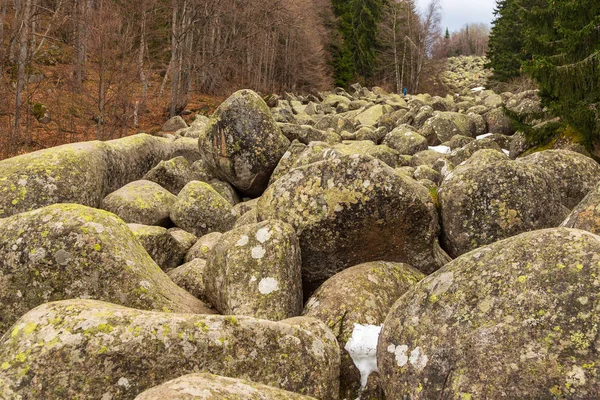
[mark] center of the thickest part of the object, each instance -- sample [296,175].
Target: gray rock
[203,246]
[160,245]
[174,124]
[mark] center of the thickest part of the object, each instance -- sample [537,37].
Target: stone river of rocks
[324,246]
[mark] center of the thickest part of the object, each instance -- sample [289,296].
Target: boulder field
[328,246]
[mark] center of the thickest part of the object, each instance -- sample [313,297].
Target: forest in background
[74,70]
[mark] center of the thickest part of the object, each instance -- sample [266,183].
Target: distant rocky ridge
[330,246]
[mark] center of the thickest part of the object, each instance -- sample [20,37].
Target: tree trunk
[21,66]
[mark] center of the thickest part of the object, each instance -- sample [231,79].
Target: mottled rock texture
[110,351]
[354,209]
[242,143]
[68,251]
[255,270]
[213,387]
[517,319]
[363,294]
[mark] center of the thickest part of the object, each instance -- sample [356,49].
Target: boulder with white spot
[68,251]
[255,270]
[517,319]
[354,304]
[354,209]
[85,349]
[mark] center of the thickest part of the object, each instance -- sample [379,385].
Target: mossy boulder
[190,276]
[350,210]
[517,319]
[444,125]
[462,154]
[160,245]
[226,190]
[255,270]
[242,143]
[249,218]
[361,295]
[405,141]
[483,202]
[199,209]
[245,206]
[90,349]
[574,174]
[184,239]
[174,124]
[73,173]
[203,246]
[68,251]
[174,174]
[206,386]
[141,202]
[426,157]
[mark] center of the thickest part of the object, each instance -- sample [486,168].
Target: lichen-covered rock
[574,174]
[203,246]
[482,203]
[255,270]
[463,154]
[174,174]
[447,124]
[242,143]
[428,173]
[174,124]
[245,206]
[141,202]
[426,157]
[458,141]
[213,387]
[199,209]
[350,210]
[250,217]
[184,239]
[517,319]
[361,295]
[306,134]
[405,141]
[72,173]
[90,349]
[160,245]
[586,215]
[67,251]
[226,190]
[190,276]
[498,122]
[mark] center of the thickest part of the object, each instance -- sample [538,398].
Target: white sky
[457,13]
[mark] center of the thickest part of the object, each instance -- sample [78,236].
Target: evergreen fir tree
[564,38]
[506,43]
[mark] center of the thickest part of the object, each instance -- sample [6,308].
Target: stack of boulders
[465,72]
[329,246]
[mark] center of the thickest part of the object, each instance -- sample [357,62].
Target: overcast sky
[457,13]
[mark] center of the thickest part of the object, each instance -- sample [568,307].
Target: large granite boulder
[255,270]
[405,141]
[160,245]
[242,143]
[355,300]
[174,174]
[517,319]
[89,349]
[199,209]
[354,209]
[190,276]
[141,202]
[206,386]
[67,251]
[444,125]
[586,215]
[574,174]
[486,201]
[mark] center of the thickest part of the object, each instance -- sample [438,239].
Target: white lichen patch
[124,382]
[576,376]
[362,348]
[399,353]
[418,359]
[263,235]
[258,252]
[243,241]
[268,286]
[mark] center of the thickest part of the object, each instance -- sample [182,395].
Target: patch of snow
[268,285]
[484,136]
[362,348]
[478,89]
[506,152]
[441,149]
